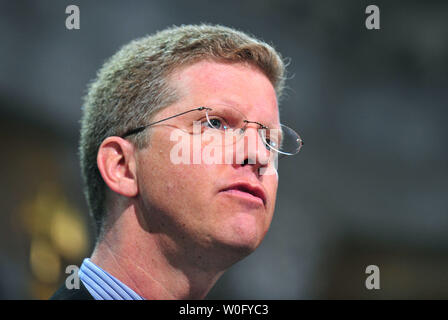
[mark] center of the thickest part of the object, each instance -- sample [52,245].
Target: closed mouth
[247,188]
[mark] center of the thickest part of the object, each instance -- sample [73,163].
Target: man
[168,229]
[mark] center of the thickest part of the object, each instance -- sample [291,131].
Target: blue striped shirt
[103,286]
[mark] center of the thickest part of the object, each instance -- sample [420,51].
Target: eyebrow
[234,103]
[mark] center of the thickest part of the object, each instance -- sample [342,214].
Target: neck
[152,264]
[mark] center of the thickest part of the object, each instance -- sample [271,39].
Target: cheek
[176,166]
[271,185]
[270,182]
[164,182]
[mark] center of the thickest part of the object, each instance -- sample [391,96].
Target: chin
[242,235]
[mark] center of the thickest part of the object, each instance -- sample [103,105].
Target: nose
[251,150]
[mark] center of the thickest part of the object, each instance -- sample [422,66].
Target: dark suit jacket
[74,294]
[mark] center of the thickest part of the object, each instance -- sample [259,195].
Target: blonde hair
[133,85]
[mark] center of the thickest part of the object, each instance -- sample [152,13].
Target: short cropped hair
[134,84]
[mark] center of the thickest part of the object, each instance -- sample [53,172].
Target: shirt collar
[102,285]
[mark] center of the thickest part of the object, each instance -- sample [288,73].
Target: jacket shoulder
[72,294]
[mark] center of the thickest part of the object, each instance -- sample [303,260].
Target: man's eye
[269,144]
[216,124]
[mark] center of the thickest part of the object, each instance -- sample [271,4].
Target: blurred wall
[369,187]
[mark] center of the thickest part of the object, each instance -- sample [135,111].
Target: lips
[248,189]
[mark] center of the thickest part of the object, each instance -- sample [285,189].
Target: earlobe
[116,163]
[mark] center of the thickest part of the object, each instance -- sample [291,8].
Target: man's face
[186,203]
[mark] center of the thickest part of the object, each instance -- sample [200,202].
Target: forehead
[242,86]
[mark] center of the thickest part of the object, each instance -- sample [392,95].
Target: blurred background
[369,187]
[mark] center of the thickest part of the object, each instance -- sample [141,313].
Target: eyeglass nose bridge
[261,127]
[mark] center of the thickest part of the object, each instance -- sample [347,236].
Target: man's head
[162,75]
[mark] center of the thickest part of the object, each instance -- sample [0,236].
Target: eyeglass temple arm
[139,129]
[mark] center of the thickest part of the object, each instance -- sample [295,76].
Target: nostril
[248,161]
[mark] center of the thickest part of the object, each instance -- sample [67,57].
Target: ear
[116,163]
